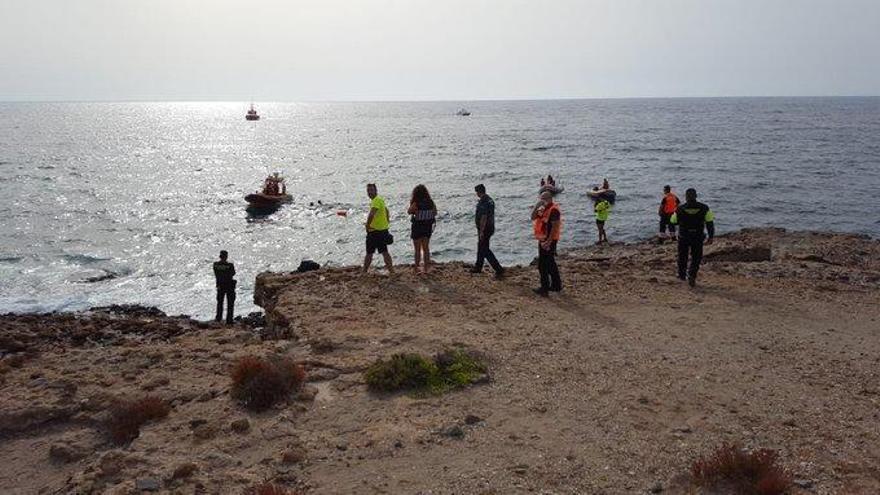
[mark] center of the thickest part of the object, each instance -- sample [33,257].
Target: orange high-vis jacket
[669,204]
[540,224]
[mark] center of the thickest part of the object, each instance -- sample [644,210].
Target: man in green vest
[377,224]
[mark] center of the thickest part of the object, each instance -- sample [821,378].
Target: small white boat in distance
[462,112]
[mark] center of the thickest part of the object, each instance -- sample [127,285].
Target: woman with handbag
[423,213]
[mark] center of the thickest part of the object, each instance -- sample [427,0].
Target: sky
[306,50]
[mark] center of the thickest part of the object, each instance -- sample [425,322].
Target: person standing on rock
[692,217]
[223,273]
[377,224]
[602,209]
[423,212]
[485,220]
[547,224]
[668,205]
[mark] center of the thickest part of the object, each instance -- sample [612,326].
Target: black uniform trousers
[548,269]
[690,244]
[228,293]
[484,253]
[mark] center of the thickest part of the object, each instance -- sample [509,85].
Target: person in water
[668,205]
[547,226]
[485,221]
[550,180]
[692,217]
[602,209]
[423,213]
[223,273]
[377,224]
[605,185]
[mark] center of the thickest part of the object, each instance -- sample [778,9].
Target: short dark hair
[372,185]
[691,193]
[224,254]
[666,188]
[480,189]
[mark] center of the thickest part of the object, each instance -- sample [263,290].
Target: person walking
[602,208]
[692,217]
[423,213]
[485,220]
[668,205]
[223,273]
[377,224]
[547,226]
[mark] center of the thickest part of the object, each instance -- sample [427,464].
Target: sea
[107,203]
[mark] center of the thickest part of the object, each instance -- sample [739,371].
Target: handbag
[389,239]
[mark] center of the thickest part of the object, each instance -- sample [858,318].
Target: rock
[322,374]
[147,485]
[656,487]
[240,425]
[294,455]
[398,444]
[254,319]
[63,453]
[470,419]
[204,432]
[307,393]
[155,383]
[520,468]
[739,254]
[307,266]
[454,431]
[195,423]
[184,470]
[323,346]
[805,484]
[342,445]
[111,463]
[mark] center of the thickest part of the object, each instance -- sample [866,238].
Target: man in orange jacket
[547,225]
[668,205]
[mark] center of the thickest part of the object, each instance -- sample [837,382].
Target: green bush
[447,370]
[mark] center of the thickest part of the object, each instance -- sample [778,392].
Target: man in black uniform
[485,220]
[692,217]
[223,273]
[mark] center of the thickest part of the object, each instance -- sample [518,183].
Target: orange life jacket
[540,224]
[670,203]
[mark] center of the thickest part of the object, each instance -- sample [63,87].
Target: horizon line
[436,100]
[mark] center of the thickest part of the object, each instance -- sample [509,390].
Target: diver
[223,273]
[692,218]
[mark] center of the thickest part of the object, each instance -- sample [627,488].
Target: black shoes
[500,273]
[474,270]
[541,292]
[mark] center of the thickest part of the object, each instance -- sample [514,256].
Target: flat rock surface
[613,386]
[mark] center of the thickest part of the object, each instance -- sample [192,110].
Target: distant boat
[252,114]
[462,112]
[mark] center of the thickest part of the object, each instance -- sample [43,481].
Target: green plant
[447,370]
[731,467]
[259,383]
[126,418]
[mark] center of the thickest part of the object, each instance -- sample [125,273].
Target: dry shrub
[268,489]
[745,472]
[126,418]
[259,383]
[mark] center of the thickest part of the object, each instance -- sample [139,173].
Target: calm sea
[146,194]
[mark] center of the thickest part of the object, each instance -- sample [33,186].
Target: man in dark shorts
[692,217]
[378,237]
[668,205]
[485,220]
[223,273]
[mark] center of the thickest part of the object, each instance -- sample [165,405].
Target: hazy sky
[435,49]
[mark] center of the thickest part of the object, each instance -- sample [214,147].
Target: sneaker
[500,273]
[541,292]
[474,270]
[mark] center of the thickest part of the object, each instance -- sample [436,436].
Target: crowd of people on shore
[691,223]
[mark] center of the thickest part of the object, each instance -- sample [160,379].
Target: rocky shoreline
[614,386]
